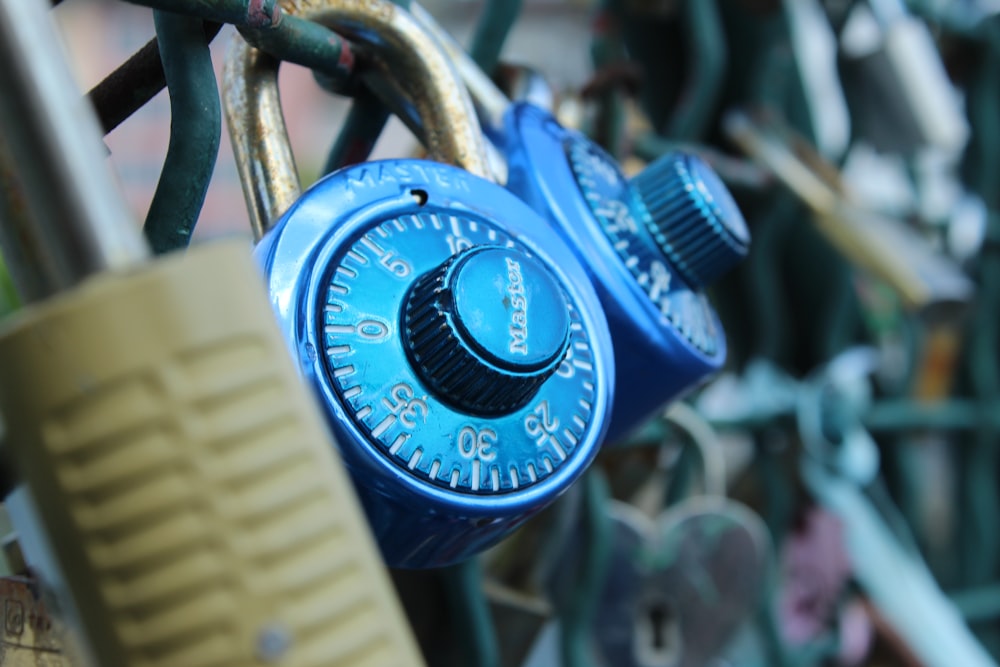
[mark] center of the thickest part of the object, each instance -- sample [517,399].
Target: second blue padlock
[650,243]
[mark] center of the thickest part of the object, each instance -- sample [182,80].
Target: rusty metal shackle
[409,71]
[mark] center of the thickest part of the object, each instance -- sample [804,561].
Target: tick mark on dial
[557,447]
[398,443]
[415,459]
[371,245]
[383,426]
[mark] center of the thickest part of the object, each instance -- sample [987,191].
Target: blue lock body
[456,345]
[650,244]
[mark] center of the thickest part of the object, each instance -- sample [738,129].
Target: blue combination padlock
[456,344]
[651,243]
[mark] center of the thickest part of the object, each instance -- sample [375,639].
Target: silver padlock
[691,575]
[895,82]
[679,582]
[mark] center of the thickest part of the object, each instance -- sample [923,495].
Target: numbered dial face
[396,404]
[612,203]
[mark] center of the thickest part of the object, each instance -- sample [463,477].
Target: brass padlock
[177,478]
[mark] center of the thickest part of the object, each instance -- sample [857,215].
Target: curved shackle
[682,419]
[411,74]
[487,95]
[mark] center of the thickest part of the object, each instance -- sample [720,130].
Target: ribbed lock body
[195,513]
[649,246]
[459,408]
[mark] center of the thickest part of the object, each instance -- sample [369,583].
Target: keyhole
[659,615]
[657,636]
[419,196]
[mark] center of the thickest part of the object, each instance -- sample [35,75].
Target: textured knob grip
[193,500]
[487,328]
[692,217]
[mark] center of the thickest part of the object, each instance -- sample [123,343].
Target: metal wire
[470,613]
[361,130]
[492,29]
[134,83]
[708,58]
[8,297]
[365,122]
[577,614]
[195,132]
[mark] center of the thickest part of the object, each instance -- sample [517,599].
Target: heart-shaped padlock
[679,586]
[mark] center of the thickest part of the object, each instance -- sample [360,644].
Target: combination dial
[651,244]
[449,344]
[674,226]
[455,343]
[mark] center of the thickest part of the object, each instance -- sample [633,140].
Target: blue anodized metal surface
[650,245]
[400,286]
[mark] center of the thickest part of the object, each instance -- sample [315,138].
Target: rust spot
[263,14]
[346,59]
[28,635]
[625,76]
[604,24]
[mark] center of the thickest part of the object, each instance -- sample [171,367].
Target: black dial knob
[692,217]
[486,328]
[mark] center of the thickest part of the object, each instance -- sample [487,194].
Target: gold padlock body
[190,491]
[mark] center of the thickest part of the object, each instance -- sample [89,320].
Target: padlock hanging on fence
[651,244]
[679,581]
[179,479]
[457,345]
